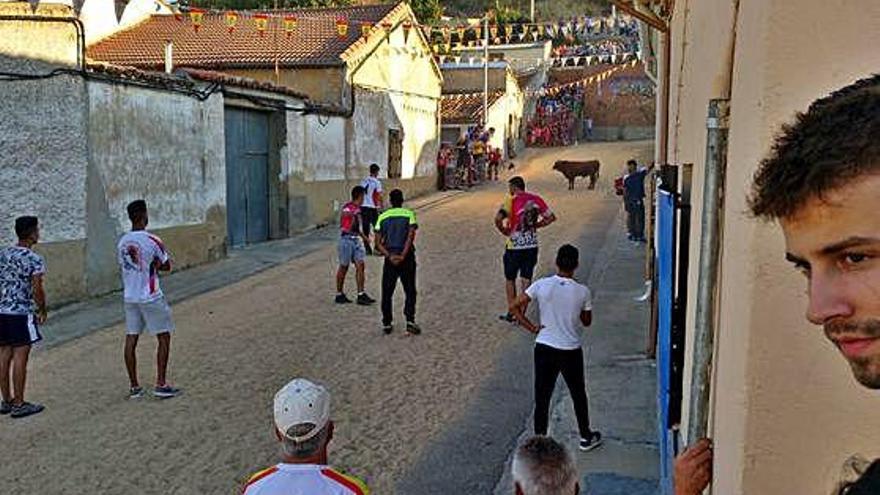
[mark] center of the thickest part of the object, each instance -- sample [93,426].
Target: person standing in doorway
[22,311]
[564,306]
[395,239]
[141,256]
[373,202]
[519,218]
[634,199]
[352,240]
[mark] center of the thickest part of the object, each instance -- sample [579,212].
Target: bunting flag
[387,26]
[446,34]
[289,23]
[196,16]
[366,27]
[407,27]
[261,21]
[231,20]
[442,59]
[493,31]
[119,6]
[461,29]
[342,27]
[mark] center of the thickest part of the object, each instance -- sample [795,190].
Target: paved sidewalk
[621,383]
[81,318]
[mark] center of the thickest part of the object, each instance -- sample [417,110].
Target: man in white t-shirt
[141,255]
[304,429]
[372,203]
[564,306]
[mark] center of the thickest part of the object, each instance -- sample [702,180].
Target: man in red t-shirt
[351,248]
[519,218]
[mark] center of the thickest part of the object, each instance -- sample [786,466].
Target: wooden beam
[651,20]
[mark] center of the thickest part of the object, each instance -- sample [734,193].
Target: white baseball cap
[302,402]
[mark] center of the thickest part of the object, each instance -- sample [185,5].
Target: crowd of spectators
[556,115]
[472,160]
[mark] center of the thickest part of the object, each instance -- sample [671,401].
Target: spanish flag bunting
[366,27]
[407,27]
[461,29]
[231,20]
[261,21]
[342,27]
[196,16]
[289,23]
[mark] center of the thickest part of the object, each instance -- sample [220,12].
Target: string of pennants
[595,78]
[584,60]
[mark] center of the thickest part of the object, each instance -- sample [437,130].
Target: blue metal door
[247,179]
[665,263]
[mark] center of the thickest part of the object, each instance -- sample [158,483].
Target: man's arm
[546,219]
[586,318]
[516,309]
[39,297]
[499,222]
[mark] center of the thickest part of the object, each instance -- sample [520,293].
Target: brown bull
[572,170]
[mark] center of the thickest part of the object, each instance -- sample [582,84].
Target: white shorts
[153,316]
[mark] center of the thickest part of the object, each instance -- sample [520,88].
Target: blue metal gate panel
[247,181]
[665,263]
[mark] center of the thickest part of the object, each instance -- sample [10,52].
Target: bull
[572,169]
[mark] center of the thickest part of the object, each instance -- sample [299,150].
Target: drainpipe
[169,57]
[485,71]
[710,253]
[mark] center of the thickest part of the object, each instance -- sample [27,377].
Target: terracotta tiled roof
[240,82]
[314,42]
[465,108]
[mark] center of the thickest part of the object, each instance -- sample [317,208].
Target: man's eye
[854,258]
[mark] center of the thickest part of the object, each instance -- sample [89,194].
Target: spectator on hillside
[542,466]
[304,430]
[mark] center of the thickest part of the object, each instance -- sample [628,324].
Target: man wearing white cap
[304,429]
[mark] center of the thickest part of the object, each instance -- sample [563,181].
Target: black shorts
[18,330]
[369,217]
[521,262]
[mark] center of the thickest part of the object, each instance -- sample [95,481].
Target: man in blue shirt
[634,200]
[395,239]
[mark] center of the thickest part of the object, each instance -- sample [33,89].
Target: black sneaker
[165,391]
[342,299]
[365,300]
[25,409]
[588,444]
[412,328]
[387,329]
[5,407]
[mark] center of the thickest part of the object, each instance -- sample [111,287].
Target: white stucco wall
[164,147]
[44,155]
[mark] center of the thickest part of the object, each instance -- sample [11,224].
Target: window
[395,153]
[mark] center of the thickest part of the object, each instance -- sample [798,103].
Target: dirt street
[234,347]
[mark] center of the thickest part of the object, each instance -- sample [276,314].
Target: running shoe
[508,317]
[591,443]
[26,409]
[135,392]
[365,300]
[412,328]
[165,392]
[342,299]
[5,407]
[387,329]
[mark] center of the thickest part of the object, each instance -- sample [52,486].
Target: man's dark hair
[396,198]
[517,182]
[136,209]
[25,226]
[567,258]
[835,141]
[357,192]
[632,162]
[374,169]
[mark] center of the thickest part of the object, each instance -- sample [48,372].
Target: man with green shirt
[395,239]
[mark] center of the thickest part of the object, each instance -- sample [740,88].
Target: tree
[427,11]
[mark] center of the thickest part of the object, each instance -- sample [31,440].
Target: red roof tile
[465,108]
[314,42]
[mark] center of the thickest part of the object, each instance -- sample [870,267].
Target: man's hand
[395,259]
[693,468]
[42,316]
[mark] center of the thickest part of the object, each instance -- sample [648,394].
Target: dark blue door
[247,180]
[665,263]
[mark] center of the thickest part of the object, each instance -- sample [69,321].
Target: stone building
[223,159]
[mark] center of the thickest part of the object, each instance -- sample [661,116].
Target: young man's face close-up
[835,241]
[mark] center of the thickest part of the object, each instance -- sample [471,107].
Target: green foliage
[427,11]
